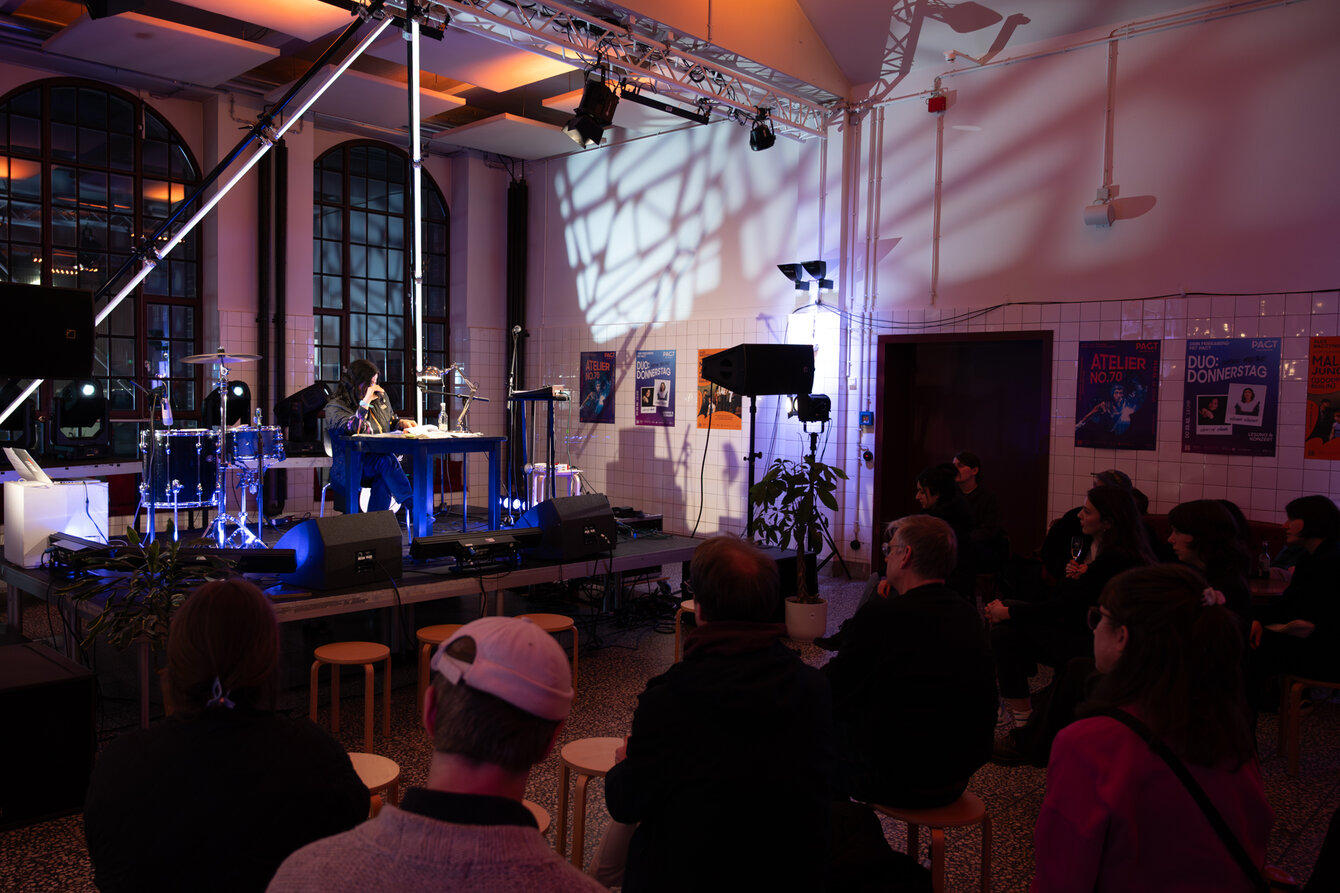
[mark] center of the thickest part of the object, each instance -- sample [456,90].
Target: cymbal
[202,359]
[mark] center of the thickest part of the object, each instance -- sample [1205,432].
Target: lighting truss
[581,38]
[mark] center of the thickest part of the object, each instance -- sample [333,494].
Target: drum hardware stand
[218,528]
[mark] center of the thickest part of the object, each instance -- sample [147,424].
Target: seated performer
[359,406]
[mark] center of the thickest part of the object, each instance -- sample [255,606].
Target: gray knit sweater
[405,852]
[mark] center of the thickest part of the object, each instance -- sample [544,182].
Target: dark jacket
[1313,595]
[728,768]
[215,802]
[914,699]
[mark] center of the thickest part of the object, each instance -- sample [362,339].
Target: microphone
[516,330]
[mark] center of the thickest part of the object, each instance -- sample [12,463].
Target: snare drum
[247,444]
[179,467]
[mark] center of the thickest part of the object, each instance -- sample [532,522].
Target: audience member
[1299,632]
[501,690]
[914,694]
[728,768]
[1116,816]
[990,545]
[939,496]
[219,793]
[1055,631]
[1055,551]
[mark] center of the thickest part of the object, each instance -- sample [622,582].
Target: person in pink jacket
[1116,816]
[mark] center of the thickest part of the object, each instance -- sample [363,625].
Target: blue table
[422,450]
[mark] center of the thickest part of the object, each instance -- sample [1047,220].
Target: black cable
[711,412]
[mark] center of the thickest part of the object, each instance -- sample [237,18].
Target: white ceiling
[504,98]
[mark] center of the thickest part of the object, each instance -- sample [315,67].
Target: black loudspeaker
[47,747]
[344,550]
[754,369]
[574,527]
[57,332]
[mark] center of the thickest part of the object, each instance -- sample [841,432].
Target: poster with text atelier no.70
[1117,395]
[597,387]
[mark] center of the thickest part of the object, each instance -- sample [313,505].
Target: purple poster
[1231,401]
[654,375]
[1117,395]
[597,387]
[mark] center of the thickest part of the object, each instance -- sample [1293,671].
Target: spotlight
[796,273]
[239,405]
[81,419]
[817,269]
[594,114]
[813,407]
[762,135]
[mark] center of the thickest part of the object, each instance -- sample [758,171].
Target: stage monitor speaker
[57,332]
[754,369]
[574,527]
[47,747]
[344,550]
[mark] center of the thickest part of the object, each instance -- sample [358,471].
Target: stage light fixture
[239,405]
[595,113]
[633,93]
[796,273]
[762,136]
[81,419]
[813,407]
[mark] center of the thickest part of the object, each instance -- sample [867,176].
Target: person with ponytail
[359,405]
[216,796]
[1117,814]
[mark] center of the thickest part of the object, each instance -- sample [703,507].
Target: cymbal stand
[218,528]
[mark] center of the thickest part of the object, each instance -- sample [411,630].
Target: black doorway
[989,393]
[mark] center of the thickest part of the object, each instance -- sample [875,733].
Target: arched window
[361,250]
[86,171]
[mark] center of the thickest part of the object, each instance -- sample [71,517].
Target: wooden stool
[339,654]
[557,623]
[378,775]
[1291,698]
[541,817]
[687,606]
[966,810]
[589,758]
[429,638]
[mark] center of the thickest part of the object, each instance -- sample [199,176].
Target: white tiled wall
[658,469]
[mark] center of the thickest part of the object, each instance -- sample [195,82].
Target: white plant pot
[805,623]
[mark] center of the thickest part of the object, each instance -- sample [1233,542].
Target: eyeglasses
[1095,617]
[890,545]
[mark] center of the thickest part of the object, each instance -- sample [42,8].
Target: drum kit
[188,467]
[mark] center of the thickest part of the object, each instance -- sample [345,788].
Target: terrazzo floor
[620,651]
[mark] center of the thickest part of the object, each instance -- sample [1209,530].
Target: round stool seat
[541,816]
[966,810]
[346,653]
[687,606]
[558,623]
[589,758]
[437,634]
[551,623]
[378,774]
[366,654]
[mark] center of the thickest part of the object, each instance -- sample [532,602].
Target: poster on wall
[1323,399]
[1117,395]
[597,387]
[654,378]
[1231,402]
[718,408]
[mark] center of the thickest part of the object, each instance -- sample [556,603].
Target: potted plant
[139,586]
[786,503]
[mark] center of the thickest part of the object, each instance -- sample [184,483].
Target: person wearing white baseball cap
[501,690]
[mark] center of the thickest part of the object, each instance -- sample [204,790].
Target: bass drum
[248,444]
[179,467]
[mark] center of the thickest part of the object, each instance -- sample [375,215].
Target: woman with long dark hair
[1054,632]
[1205,536]
[223,790]
[1116,815]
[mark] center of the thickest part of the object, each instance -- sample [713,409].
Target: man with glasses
[914,690]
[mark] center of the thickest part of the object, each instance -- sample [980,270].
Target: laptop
[26,466]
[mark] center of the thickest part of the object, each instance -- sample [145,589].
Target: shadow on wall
[654,490]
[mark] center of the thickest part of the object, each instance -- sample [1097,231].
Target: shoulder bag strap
[1197,793]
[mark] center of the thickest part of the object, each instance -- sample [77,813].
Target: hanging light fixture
[596,111]
[761,135]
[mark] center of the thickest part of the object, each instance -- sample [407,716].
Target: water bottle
[442,414]
[256,417]
[1263,561]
